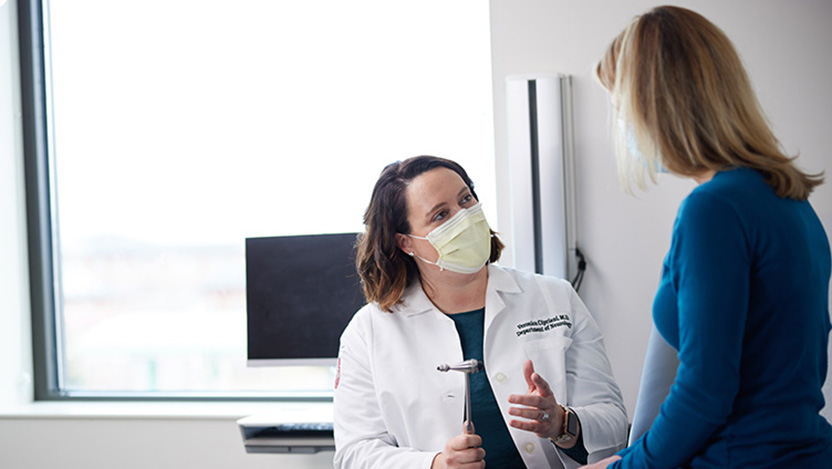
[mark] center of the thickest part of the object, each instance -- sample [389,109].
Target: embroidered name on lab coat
[543,325]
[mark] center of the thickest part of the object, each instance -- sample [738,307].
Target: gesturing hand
[544,414]
[462,451]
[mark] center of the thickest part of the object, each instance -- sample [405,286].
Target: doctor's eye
[467,199]
[440,215]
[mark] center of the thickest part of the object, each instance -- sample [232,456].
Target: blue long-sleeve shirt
[744,298]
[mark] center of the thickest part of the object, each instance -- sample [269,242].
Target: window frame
[37,175]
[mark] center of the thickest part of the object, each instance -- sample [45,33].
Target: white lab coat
[393,409]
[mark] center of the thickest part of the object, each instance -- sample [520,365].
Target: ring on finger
[544,417]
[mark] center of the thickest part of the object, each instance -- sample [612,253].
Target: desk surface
[297,428]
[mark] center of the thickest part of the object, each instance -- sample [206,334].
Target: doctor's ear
[403,242]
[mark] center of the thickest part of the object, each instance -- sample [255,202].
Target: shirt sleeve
[709,269]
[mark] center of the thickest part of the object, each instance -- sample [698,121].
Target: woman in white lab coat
[545,397]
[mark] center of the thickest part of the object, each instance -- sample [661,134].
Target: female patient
[546,396]
[744,291]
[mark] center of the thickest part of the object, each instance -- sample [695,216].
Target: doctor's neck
[452,292]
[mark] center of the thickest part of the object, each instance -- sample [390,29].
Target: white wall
[139,443]
[785,46]
[15,362]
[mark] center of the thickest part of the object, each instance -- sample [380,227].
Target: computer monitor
[301,292]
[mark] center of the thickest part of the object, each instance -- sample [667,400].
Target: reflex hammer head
[468,366]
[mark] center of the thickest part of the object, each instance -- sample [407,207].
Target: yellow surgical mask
[463,242]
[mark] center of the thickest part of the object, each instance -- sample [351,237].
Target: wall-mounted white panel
[519,143]
[541,166]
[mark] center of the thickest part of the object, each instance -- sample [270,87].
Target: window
[160,134]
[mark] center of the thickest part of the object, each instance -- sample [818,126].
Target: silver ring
[545,416]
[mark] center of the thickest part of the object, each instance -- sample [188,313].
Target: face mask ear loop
[412,254]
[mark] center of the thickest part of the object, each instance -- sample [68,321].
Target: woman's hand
[602,464]
[541,408]
[461,451]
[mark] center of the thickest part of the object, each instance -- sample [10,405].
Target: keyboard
[298,429]
[282,432]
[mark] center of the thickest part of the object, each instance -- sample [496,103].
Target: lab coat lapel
[499,282]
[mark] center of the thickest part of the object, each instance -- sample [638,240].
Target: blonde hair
[678,85]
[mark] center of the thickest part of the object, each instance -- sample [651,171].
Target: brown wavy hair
[384,269]
[677,82]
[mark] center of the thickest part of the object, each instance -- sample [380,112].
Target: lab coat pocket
[549,358]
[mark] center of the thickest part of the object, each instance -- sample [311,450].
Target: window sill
[162,410]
